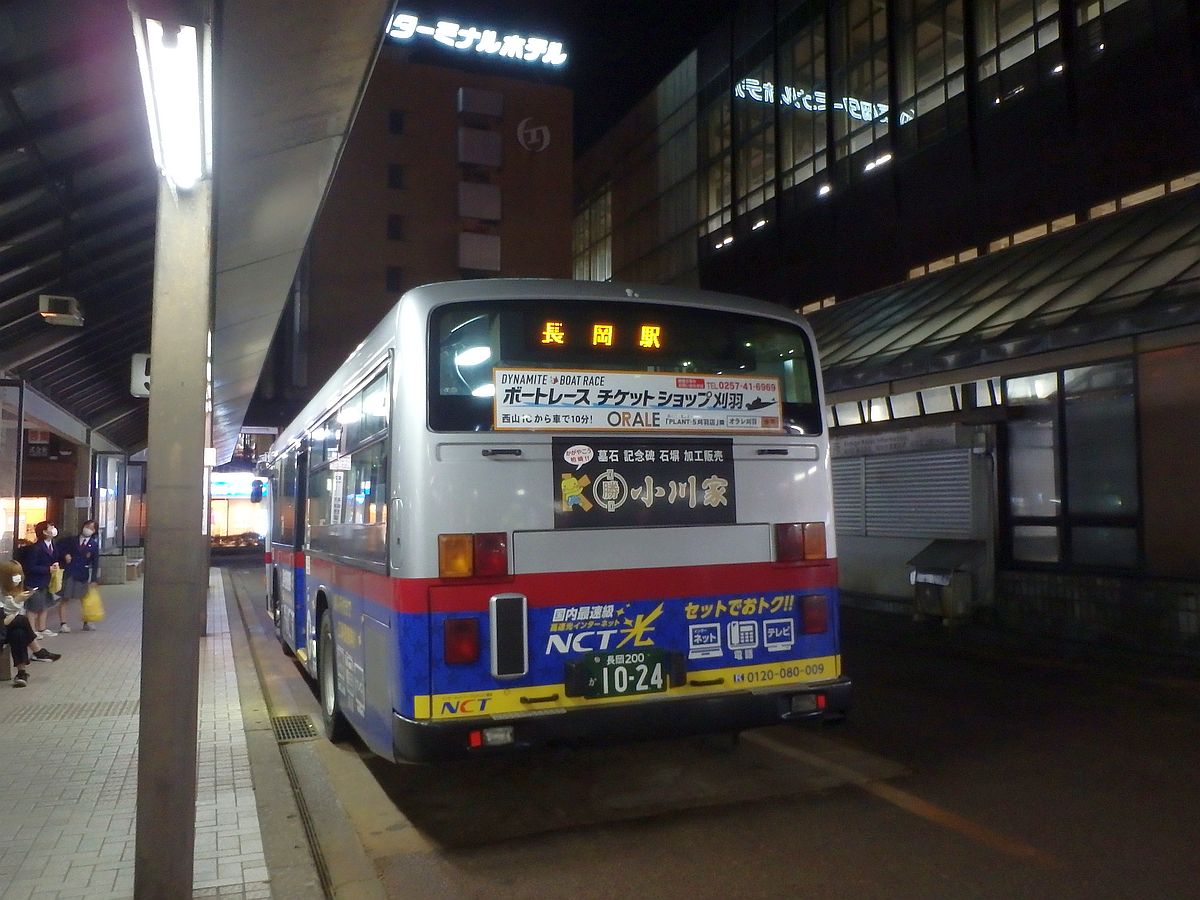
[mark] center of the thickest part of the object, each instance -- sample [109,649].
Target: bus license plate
[620,674]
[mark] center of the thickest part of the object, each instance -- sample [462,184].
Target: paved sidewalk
[69,742]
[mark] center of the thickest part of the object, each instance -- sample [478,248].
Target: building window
[394,279]
[395,176]
[395,227]
[930,65]
[1072,471]
[860,81]
[1018,46]
[716,173]
[754,146]
[802,100]
[592,240]
[396,121]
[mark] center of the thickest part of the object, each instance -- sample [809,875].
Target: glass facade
[715,160]
[754,132]
[930,70]
[592,240]
[1072,468]
[638,218]
[1018,45]
[10,452]
[859,48]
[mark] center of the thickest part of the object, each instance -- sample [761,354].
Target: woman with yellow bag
[42,568]
[82,558]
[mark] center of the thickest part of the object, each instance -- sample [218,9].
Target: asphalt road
[968,768]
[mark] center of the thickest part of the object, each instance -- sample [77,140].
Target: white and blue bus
[529,511]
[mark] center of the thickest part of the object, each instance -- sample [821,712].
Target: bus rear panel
[591,516]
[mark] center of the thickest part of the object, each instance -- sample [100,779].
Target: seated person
[18,632]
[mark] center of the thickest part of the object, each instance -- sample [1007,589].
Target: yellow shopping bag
[56,578]
[93,606]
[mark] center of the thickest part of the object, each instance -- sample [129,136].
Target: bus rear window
[468,340]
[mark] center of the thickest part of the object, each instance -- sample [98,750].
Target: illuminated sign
[553,333]
[232,485]
[814,101]
[589,400]
[488,41]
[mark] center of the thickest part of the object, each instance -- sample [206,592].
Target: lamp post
[174,56]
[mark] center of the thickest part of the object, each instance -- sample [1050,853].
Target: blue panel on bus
[300,594]
[715,632]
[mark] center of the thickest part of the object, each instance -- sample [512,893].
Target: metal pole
[176,577]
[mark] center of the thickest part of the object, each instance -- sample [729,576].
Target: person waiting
[41,558]
[81,557]
[18,632]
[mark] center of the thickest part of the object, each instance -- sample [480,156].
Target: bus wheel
[336,726]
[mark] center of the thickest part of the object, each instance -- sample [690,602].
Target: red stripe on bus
[286,555]
[413,595]
[568,588]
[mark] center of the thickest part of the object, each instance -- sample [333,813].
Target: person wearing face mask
[14,624]
[40,560]
[81,556]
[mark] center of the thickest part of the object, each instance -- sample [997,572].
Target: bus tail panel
[631,638]
[422,741]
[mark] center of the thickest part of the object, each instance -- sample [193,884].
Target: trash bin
[942,576]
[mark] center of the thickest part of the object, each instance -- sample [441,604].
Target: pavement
[280,812]
[69,740]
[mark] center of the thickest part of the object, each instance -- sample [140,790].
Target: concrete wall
[1169,409]
[351,249]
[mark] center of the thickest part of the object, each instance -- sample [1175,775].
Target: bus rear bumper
[415,741]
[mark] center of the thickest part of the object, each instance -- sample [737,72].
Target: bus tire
[336,727]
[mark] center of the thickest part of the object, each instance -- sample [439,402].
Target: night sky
[619,49]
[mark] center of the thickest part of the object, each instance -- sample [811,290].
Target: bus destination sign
[582,400]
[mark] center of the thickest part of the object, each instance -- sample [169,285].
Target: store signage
[470,39]
[813,101]
[234,485]
[604,482]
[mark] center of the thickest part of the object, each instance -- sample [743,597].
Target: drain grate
[293,728]
[61,712]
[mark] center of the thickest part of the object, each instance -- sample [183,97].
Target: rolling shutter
[915,495]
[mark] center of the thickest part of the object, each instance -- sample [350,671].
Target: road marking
[910,803]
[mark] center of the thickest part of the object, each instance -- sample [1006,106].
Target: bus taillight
[814,614]
[491,553]
[799,541]
[460,640]
[466,555]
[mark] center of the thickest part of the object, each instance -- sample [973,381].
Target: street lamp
[175,63]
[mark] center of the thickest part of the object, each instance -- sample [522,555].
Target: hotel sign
[471,39]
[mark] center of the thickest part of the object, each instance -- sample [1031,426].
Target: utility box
[942,576]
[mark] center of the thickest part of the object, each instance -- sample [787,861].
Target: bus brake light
[460,640]
[491,553]
[799,541]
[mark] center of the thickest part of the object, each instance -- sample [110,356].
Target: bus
[527,512]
